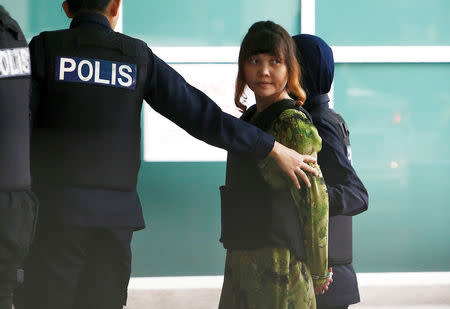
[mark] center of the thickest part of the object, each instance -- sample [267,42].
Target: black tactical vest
[87,127]
[14,111]
[254,215]
[340,238]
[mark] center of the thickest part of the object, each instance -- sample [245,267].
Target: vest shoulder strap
[268,116]
[339,123]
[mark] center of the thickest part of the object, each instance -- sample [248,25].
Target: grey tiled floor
[428,297]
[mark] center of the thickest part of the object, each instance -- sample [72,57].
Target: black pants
[18,212]
[77,267]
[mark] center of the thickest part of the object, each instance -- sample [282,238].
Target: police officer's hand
[293,164]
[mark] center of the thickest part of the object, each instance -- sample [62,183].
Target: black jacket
[255,215]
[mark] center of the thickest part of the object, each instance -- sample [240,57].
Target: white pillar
[119,25]
[308,16]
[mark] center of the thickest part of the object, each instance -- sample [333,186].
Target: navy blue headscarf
[317,64]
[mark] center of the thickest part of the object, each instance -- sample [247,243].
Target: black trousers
[18,212]
[343,291]
[77,267]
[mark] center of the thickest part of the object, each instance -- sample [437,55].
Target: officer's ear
[113,7]
[65,7]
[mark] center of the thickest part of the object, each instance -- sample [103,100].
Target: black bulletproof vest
[340,238]
[87,126]
[14,111]
[254,215]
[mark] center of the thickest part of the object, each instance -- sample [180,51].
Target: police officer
[17,204]
[346,193]
[88,83]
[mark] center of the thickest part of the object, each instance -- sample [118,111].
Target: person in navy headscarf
[346,193]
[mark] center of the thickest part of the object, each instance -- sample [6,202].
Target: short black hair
[76,6]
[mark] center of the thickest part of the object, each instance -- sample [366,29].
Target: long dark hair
[267,37]
[77,6]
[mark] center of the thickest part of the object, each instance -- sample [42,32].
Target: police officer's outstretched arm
[346,192]
[170,95]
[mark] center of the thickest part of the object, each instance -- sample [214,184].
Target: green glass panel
[204,22]
[37,16]
[182,211]
[384,22]
[399,118]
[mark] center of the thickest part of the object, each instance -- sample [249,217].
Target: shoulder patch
[96,71]
[14,62]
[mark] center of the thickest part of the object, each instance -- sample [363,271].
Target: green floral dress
[272,278]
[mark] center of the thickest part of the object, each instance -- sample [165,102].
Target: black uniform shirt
[346,192]
[169,94]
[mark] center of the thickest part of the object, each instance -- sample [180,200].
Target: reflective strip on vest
[14,62]
[96,71]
